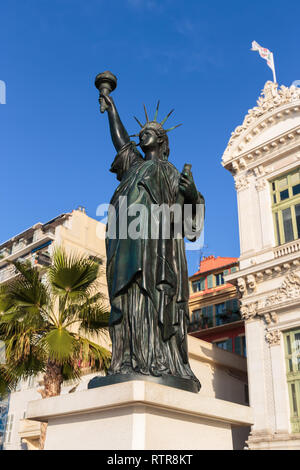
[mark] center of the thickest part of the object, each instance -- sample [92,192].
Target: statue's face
[149,140]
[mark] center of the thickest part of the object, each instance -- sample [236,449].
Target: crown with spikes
[154,124]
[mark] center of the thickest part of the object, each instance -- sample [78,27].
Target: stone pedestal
[138,415]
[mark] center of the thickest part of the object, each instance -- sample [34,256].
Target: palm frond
[59,345]
[71,370]
[26,291]
[8,381]
[93,355]
[31,366]
[93,319]
[91,312]
[72,274]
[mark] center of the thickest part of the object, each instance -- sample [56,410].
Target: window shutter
[210,281]
[235,305]
[237,345]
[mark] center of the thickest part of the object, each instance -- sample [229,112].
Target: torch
[105,82]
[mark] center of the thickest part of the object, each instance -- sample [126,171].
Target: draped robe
[147,277]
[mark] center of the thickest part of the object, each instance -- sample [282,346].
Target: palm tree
[6,383]
[48,325]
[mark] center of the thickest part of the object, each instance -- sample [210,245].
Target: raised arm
[118,132]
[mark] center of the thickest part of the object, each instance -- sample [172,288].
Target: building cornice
[210,298]
[269,304]
[267,152]
[286,258]
[218,269]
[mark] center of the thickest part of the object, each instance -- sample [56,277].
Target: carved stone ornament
[289,290]
[270,318]
[271,98]
[249,311]
[273,337]
[241,182]
[251,282]
[241,285]
[260,184]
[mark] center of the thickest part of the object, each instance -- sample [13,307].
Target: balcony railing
[206,323]
[7,273]
[287,249]
[20,248]
[42,259]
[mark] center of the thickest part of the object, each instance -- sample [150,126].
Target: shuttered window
[210,281]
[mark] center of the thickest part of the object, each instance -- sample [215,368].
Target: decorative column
[281,398]
[260,387]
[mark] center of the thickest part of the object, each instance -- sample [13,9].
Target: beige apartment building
[75,232]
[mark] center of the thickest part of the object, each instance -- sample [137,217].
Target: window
[9,426]
[198,285]
[219,279]
[292,356]
[246,394]
[195,320]
[233,310]
[210,281]
[220,313]
[240,345]
[225,344]
[207,320]
[202,319]
[227,312]
[215,315]
[31,382]
[285,193]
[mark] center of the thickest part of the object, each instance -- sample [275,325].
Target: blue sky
[193,55]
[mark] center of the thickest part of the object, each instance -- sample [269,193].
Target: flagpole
[273,69]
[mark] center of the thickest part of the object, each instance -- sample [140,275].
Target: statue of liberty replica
[147,274]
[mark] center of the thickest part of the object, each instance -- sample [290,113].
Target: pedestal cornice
[139,393]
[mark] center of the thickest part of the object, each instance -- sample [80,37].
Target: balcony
[20,249]
[205,323]
[7,273]
[4,253]
[287,249]
[42,260]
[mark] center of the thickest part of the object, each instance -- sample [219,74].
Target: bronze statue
[147,277]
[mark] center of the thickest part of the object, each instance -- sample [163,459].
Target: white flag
[265,54]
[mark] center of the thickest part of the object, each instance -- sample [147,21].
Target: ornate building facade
[263,155]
